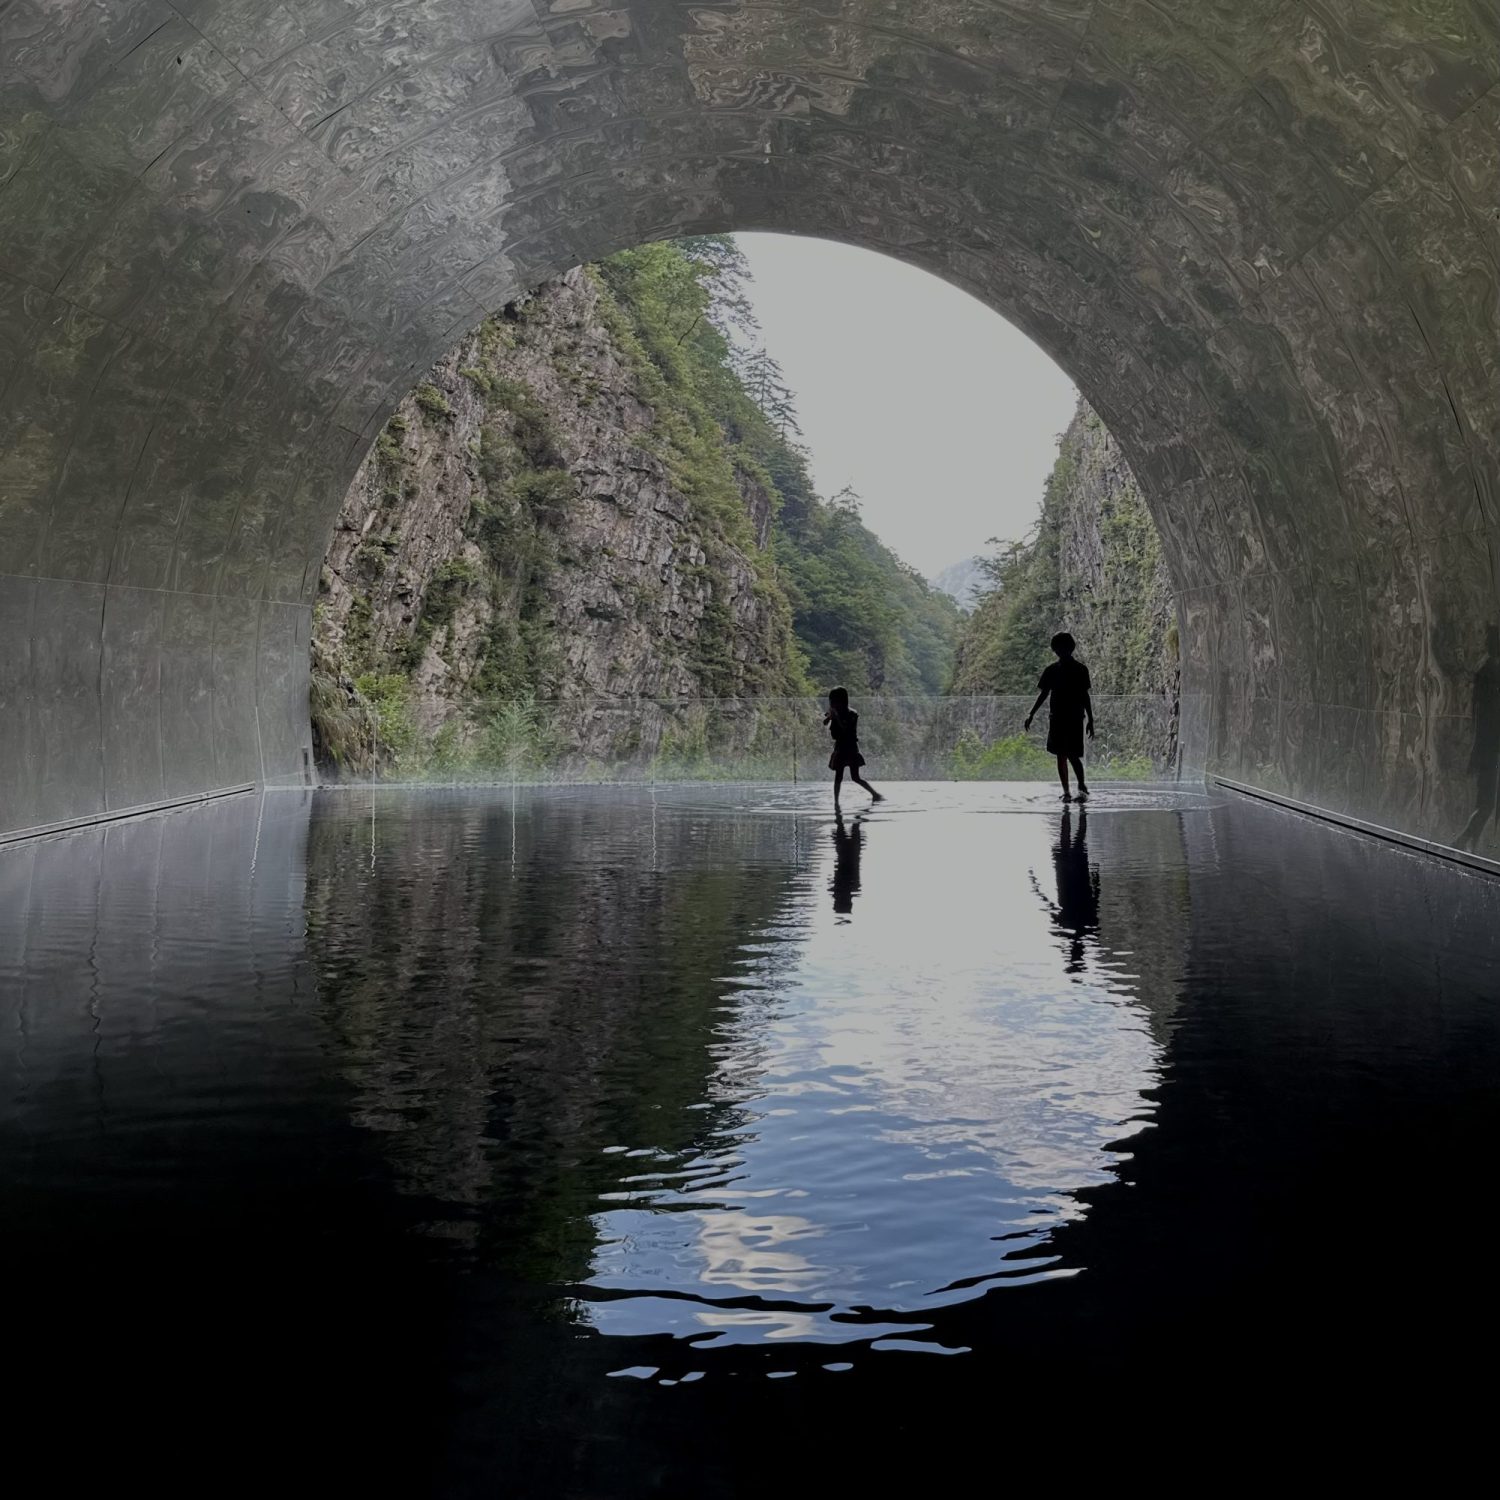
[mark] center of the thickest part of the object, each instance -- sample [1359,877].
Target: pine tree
[766,385]
[726,274]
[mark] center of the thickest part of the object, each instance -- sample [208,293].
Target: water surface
[547,1141]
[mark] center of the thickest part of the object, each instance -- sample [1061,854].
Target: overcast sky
[941,415]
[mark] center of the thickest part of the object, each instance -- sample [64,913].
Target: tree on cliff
[466,561]
[765,384]
[861,616]
[726,274]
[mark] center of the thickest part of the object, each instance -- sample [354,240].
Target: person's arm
[1041,698]
[1088,704]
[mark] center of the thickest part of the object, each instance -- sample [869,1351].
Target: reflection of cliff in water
[927,1098]
[518,996]
[1144,905]
[1328,1083]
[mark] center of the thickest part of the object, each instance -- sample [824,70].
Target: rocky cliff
[1113,587]
[1093,567]
[540,521]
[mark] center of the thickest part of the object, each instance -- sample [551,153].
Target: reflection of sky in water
[909,1107]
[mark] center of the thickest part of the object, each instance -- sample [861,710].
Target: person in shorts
[1066,682]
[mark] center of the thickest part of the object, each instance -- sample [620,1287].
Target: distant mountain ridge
[962,581]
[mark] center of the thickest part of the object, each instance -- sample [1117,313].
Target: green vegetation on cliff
[861,616]
[590,537]
[660,312]
[865,618]
[599,497]
[1003,644]
[1092,566]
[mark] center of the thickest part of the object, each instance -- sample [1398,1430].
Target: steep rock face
[520,529]
[1094,567]
[1115,594]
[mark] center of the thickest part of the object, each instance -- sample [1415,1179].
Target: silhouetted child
[843,725]
[1072,709]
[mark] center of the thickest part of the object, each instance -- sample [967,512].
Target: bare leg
[1062,776]
[860,780]
[1083,789]
[838,781]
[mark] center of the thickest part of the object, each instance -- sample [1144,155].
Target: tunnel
[1263,237]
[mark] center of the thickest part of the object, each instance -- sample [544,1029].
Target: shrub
[387,695]
[515,738]
[542,488]
[345,727]
[432,402]
[1017,757]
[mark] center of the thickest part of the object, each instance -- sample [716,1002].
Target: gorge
[598,502]
[583,504]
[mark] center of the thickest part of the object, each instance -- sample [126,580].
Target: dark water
[611,1142]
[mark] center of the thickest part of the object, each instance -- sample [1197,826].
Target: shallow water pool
[595,1141]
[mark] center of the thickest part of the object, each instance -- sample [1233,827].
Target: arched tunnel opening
[1260,238]
[582,1137]
[598,543]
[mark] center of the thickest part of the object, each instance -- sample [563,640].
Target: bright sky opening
[943,416]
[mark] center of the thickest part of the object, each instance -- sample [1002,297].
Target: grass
[1019,758]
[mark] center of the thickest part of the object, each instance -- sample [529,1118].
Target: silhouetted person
[1067,682]
[848,844]
[1484,759]
[1077,914]
[843,725]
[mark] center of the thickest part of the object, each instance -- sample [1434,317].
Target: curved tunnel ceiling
[1262,235]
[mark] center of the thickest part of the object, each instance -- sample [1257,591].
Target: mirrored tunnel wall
[1262,237]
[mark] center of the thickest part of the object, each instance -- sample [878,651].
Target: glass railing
[750,739]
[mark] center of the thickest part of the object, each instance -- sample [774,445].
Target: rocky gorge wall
[1094,567]
[526,528]
[1114,591]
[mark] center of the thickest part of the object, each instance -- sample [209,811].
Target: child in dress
[843,725]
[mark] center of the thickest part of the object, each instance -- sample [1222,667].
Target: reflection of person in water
[847,843]
[1484,760]
[1077,912]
